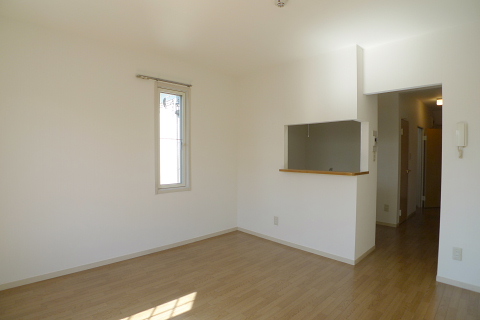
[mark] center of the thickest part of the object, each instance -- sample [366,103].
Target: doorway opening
[409,153]
[409,162]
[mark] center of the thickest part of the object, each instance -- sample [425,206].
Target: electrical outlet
[457,254]
[386,207]
[275,220]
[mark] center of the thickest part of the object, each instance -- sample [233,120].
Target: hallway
[405,264]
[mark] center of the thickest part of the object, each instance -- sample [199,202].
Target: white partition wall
[316,212]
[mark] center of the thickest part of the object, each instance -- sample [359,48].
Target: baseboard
[459,284]
[300,247]
[393,225]
[108,261]
[364,255]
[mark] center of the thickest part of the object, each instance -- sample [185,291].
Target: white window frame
[184,91]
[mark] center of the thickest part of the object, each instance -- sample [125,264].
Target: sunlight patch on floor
[167,310]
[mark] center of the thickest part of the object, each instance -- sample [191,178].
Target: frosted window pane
[170,139]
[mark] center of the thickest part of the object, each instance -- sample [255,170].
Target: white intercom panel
[461,135]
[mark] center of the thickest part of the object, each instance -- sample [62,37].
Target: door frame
[420,167]
[404,171]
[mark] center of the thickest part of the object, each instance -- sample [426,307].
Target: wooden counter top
[326,172]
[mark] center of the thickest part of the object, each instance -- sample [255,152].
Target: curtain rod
[141,76]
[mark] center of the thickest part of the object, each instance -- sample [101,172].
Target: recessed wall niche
[328,147]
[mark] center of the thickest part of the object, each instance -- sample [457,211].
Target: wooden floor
[239,276]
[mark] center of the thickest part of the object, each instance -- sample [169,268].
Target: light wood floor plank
[238,276]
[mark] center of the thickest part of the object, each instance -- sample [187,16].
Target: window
[172,135]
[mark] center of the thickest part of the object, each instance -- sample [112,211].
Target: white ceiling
[241,36]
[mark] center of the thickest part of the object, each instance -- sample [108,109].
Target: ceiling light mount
[280,3]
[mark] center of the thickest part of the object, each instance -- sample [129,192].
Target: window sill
[176,189]
[338,173]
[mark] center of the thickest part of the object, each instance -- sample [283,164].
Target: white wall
[315,211]
[367,111]
[77,162]
[416,62]
[388,157]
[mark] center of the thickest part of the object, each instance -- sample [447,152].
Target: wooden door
[404,171]
[433,167]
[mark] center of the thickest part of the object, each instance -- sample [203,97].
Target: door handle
[408,171]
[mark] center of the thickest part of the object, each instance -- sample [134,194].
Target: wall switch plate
[386,207]
[275,220]
[457,254]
